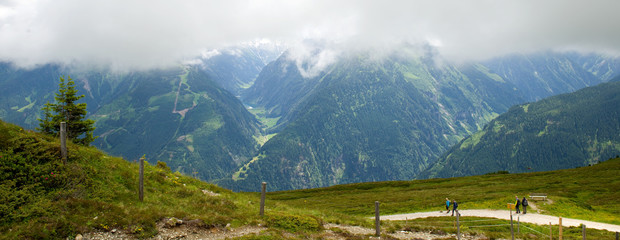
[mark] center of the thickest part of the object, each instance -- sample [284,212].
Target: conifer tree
[79,130]
[46,125]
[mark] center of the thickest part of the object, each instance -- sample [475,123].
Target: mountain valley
[358,119]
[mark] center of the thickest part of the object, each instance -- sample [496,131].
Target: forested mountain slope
[564,131]
[178,115]
[366,120]
[181,117]
[545,74]
[363,119]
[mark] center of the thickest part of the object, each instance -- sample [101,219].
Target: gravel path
[535,218]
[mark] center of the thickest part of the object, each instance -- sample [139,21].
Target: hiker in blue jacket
[524,204]
[447,205]
[454,206]
[517,204]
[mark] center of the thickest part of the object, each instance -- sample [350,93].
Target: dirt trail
[535,218]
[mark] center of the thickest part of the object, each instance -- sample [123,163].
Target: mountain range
[358,119]
[363,119]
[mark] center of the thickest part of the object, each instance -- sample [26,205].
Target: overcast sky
[153,33]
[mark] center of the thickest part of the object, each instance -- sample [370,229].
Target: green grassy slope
[588,193]
[40,198]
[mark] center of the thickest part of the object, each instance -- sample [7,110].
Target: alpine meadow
[164,120]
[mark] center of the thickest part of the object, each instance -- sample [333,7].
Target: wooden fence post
[377,220]
[583,229]
[617,236]
[458,226]
[560,229]
[141,189]
[262,199]
[550,232]
[63,142]
[512,231]
[518,225]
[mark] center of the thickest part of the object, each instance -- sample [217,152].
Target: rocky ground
[173,228]
[187,230]
[350,232]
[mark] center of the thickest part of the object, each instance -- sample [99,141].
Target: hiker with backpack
[454,206]
[524,204]
[517,204]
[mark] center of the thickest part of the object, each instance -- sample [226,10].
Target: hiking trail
[535,218]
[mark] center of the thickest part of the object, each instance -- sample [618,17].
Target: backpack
[524,203]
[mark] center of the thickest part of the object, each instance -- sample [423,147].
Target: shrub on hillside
[163,166]
[24,181]
[294,223]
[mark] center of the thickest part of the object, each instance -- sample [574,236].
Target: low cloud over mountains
[148,34]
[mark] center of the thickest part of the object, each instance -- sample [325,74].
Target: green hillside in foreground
[564,131]
[40,198]
[588,193]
